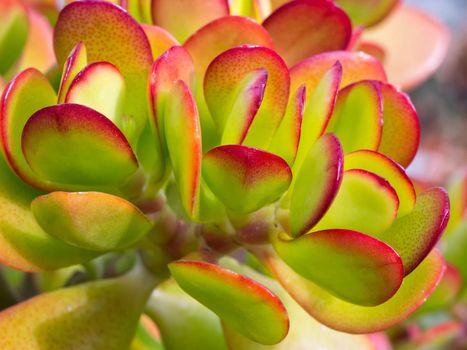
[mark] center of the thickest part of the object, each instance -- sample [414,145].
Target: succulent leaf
[245,179]
[159,39]
[76,61]
[253,310]
[367,12]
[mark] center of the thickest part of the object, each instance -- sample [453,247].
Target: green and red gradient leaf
[27,93]
[87,148]
[358,116]
[303,28]
[227,71]
[183,17]
[416,44]
[316,184]
[367,12]
[95,315]
[244,104]
[252,309]
[388,169]
[76,61]
[245,179]
[365,202]
[414,235]
[286,140]
[318,111]
[100,86]
[351,265]
[110,34]
[183,132]
[401,129]
[356,66]
[90,220]
[351,318]
[159,39]
[457,190]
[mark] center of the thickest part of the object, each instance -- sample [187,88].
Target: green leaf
[316,184]
[90,220]
[93,151]
[367,12]
[252,309]
[245,179]
[365,203]
[312,26]
[183,133]
[76,61]
[414,235]
[97,315]
[229,69]
[351,265]
[159,39]
[357,118]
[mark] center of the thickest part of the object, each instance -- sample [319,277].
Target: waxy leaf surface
[358,117]
[227,71]
[385,167]
[97,315]
[356,66]
[365,203]
[315,184]
[245,179]
[414,235]
[183,132]
[101,87]
[27,93]
[351,265]
[415,43]
[367,12]
[401,129]
[109,34]
[303,28]
[183,17]
[252,309]
[75,62]
[87,148]
[159,39]
[90,220]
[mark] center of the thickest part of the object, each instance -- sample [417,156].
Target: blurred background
[442,101]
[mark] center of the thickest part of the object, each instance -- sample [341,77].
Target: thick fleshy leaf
[351,318]
[109,34]
[358,117]
[401,129]
[147,336]
[229,69]
[245,179]
[159,39]
[27,93]
[371,48]
[38,51]
[287,137]
[414,235]
[315,185]
[415,44]
[365,203]
[257,9]
[385,167]
[75,62]
[183,133]
[13,33]
[356,66]
[90,220]
[101,87]
[246,101]
[175,313]
[303,28]
[87,148]
[253,310]
[351,265]
[305,332]
[23,244]
[138,9]
[318,111]
[367,12]
[95,315]
[454,248]
[457,190]
[183,17]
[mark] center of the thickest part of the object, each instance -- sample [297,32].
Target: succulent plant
[259,168]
